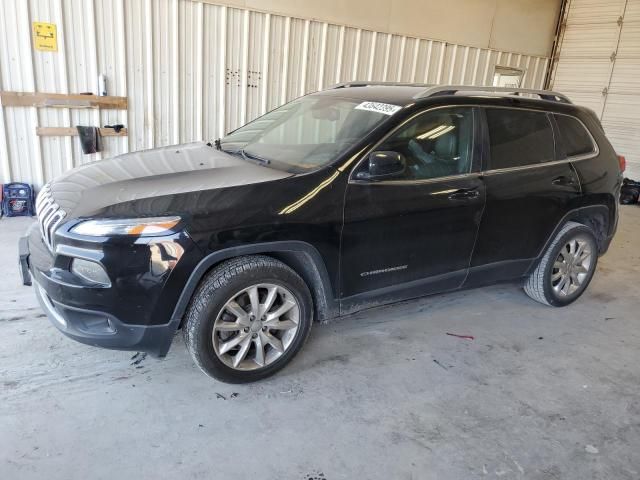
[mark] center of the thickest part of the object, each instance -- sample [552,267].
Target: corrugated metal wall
[194,71]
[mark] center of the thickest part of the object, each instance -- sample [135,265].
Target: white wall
[523,26]
[193,70]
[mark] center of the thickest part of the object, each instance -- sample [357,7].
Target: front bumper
[101,329]
[134,313]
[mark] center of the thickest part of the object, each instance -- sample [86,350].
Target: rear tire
[566,268]
[248,319]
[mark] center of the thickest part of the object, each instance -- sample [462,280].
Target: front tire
[248,319]
[566,268]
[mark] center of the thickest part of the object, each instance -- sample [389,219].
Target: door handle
[464,194]
[564,181]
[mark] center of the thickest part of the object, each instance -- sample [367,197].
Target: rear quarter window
[519,138]
[574,137]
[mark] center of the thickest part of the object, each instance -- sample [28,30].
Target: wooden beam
[72,132]
[61,100]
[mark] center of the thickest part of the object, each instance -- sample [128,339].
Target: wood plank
[72,132]
[61,100]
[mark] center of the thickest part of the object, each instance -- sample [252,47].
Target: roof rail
[436,90]
[364,83]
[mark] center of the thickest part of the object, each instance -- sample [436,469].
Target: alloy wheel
[571,267]
[256,326]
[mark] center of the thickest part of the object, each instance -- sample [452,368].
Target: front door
[414,233]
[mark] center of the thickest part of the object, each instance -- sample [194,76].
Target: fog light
[90,271]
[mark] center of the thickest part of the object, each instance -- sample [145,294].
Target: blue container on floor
[17,200]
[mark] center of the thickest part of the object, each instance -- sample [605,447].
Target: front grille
[49,215]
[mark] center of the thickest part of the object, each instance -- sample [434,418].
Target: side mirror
[385,164]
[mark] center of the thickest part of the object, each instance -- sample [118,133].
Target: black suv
[357,196]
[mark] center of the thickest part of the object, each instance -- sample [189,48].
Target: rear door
[414,234]
[530,187]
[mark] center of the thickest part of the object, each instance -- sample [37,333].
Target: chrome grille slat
[50,215]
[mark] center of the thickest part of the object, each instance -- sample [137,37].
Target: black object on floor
[89,139]
[630,192]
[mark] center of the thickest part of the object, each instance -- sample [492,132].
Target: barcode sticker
[384,108]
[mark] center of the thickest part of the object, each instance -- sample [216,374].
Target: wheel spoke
[556,276]
[273,341]
[284,308]
[234,342]
[227,327]
[581,269]
[259,358]
[255,300]
[272,294]
[562,283]
[242,353]
[276,324]
[236,310]
[558,264]
[580,250]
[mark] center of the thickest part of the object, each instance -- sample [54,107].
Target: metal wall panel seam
[222,46]
[322,58]
[265,63]
[305,58]
[443,48]
[244,69]
[176,73]
[149,123]
[465,58]
[387,54]
[403,45]
[285,61]
[64,83]
[485,72]
[93,56]
[339,59]
[476,63]
[121,61]
[427,65]
[372,56]
[414,64]
[356,56]
[199,60]
[33,112]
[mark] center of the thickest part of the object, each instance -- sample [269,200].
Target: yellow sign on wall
[45,36]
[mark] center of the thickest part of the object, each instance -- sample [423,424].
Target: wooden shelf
[61,100]
[72,132]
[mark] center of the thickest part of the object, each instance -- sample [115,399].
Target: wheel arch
[302,257]
[596,217]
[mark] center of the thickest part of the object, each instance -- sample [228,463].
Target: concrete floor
[541,393]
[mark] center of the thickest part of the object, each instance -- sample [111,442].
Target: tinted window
[519,137]
[574,136]
[435,144]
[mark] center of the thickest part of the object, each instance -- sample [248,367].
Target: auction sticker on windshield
[384,108]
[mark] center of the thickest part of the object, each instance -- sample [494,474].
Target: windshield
[307,133]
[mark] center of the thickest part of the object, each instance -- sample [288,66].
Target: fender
[580,214]
[315,274]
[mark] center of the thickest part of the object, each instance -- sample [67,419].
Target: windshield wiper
[254,159]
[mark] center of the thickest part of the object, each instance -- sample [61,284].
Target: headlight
[153,226]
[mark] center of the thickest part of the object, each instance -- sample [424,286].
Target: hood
[152,173]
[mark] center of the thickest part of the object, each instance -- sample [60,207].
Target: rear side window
[574,136]
[519,138]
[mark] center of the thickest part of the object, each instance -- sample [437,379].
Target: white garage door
[599,66]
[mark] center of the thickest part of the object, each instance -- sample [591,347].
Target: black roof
[409,94]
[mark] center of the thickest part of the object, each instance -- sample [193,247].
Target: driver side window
[436,144]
